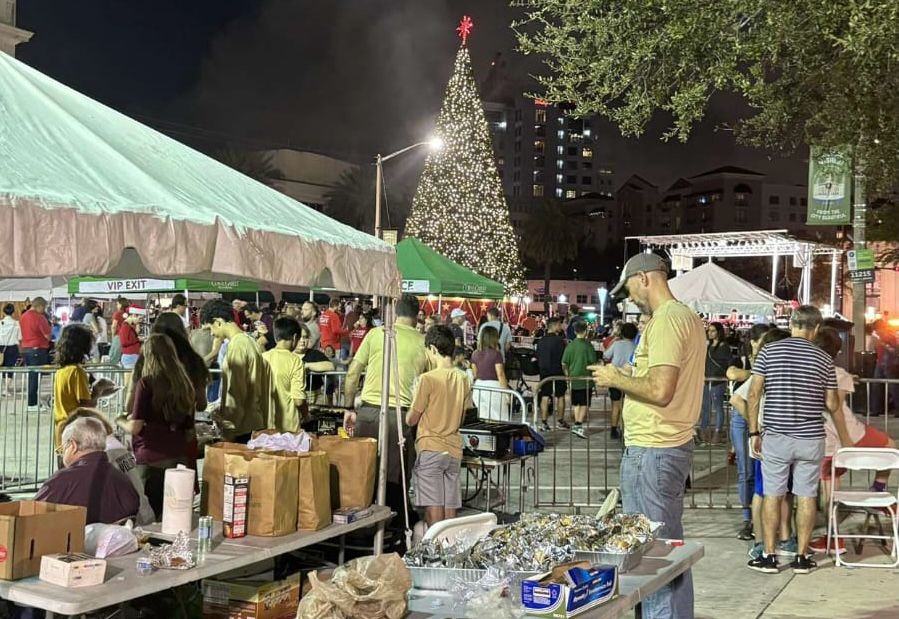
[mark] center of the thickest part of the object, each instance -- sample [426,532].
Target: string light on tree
[459,208]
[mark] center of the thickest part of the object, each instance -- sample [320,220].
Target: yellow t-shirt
[441,396]
[70,388]
[246,386]
[674,336]
[288,382]
[412,359]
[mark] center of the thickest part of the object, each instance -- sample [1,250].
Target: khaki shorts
[436,478]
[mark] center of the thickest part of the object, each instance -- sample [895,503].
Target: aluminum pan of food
[443,578]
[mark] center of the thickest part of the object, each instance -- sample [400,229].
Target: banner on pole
[829,182]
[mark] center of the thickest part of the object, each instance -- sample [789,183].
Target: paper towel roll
[178,505]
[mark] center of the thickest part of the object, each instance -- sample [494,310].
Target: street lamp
[435,144]
[602,294]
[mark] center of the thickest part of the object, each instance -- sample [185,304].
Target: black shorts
[580,397]
[615,394]
[554,388]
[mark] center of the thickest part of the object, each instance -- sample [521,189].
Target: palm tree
[549,237]
[255,164]
[352,201]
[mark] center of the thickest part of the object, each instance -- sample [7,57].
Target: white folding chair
[864,459]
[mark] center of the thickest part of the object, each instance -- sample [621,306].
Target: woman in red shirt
[360,330]
[129,340]
[162,416]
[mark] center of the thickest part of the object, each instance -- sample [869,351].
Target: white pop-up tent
[27,288]
[712,290]
[85,190]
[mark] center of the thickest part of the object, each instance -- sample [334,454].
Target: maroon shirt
[158,440]
[93,482]
[485,361]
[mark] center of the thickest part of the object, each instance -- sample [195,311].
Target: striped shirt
[797,376]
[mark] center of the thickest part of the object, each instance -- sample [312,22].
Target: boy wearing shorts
[861,435]
[578,356]
[438,406]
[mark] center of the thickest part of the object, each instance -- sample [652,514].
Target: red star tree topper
[464,28]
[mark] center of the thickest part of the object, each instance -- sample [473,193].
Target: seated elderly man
[89,479]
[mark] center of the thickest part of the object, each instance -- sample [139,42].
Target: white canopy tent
[85,190]
[712,290]
[20,289]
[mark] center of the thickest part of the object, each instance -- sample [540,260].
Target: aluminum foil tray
[442,578]
[624,561]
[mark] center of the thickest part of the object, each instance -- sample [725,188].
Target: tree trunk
[547,276]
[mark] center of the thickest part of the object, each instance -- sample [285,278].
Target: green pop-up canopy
[103,285]
[424,271]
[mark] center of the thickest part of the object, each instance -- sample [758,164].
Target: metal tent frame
[774,243]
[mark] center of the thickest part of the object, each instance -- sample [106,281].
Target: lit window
[561,134]
[571,193]
[558,192]
[586,153]
[538,191]
[560,150]
[558,178]
[561,120]
[560,164]
[540,115]
[586,133]
[538,146]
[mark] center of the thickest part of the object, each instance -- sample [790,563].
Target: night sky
[347,78]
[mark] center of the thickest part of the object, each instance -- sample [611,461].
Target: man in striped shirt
[799,383]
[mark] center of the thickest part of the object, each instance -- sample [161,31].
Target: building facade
[307,177]
[563,293]
[10,35]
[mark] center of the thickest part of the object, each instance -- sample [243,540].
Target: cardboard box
[561,601]
[31,529]
[73,570]
[236,502]
[249,599]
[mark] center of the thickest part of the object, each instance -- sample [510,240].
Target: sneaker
[757,551]
[615,434]
[745,533]
[578,430]
[788,547]
[803,565]
[765,565]
[543,427]
[564,424]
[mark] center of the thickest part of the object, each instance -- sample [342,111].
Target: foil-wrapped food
[174,556]
[537,542]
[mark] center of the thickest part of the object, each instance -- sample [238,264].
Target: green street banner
[829,195]
[861,265]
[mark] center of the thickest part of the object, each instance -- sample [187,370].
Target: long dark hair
[170,324]
[75,343]
[719,332]
[173,393]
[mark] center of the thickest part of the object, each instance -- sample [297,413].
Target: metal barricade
[713,480]
[498,404]
[330,391]
[573,457]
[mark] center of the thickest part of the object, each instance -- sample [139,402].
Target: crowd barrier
[500,405]
[577,474]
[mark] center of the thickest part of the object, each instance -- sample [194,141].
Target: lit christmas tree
[459,208]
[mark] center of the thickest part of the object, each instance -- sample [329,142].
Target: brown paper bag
[314,509]
[353,469]
[274,486]
[214,474]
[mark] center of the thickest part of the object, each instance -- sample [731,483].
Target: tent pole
[774,259]
[257,298]
[833,281]
[387,316]
[440,304]
[807,276]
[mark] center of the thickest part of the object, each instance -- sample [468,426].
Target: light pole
[434,144]
[602,295]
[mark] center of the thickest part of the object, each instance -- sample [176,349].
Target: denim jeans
[713,397]
[34,356]
[652,482]
[739,438]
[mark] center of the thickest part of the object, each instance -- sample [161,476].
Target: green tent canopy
[104,285]
[424,271]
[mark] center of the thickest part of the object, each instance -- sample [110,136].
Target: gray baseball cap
[641,263]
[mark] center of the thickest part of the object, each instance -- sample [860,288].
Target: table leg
[341,550]
[487,494]
[521,478]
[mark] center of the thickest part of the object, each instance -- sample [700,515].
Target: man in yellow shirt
[663,397]
[365,420]
[288,377]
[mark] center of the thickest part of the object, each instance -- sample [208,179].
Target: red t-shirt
[36,330]
[331,327]
[158,440]
[129,340]
[356,336]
